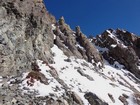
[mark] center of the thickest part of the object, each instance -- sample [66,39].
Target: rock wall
[25,35]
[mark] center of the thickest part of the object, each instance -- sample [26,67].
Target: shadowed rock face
[123,47]
[25,35]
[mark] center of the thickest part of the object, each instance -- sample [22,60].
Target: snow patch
[114,45]
[53,27]
[139,67]
[78,45]
[54,36]
[113,36]
[40,88]
[100,49]
[130,100]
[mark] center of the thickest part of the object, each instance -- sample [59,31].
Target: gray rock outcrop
[25,35]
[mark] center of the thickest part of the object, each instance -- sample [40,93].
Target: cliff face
[45,62]
[25,35]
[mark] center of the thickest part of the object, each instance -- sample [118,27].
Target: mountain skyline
[96,16]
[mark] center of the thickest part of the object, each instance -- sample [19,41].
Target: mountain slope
[112,85]
[45,62]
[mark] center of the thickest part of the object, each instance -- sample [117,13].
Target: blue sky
[95,16]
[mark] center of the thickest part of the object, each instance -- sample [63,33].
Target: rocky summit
[44,62]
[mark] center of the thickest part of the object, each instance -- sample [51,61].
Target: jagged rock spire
[61,21]
[78,31]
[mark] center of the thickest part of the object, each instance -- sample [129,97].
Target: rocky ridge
[45,62]
[75,43]
[123,47]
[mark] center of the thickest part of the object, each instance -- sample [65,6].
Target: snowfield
[81,77]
